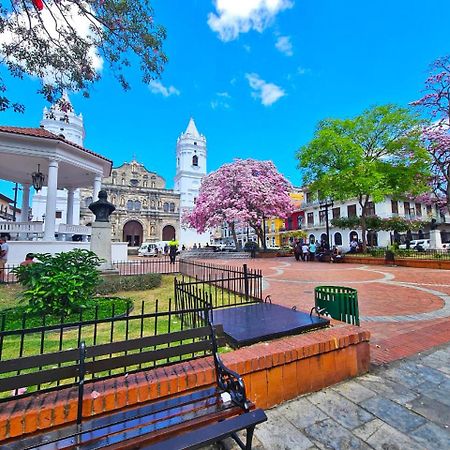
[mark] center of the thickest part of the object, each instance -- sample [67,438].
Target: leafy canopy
[436,136]
[245,191]
[65,43]
[375,154]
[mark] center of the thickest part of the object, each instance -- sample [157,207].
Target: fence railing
[240,281]
[151,320]
[430,254]
[159,264]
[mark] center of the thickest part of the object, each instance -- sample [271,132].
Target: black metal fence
[160,264]
[430,254]
[6,275]
[233,285]
[153,319]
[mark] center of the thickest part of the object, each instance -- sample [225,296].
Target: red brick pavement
[292,283]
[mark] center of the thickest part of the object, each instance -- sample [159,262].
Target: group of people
[315,251]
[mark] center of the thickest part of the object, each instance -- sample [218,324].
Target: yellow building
[275,227]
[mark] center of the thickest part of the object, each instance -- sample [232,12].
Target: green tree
[64,43]
[376,154]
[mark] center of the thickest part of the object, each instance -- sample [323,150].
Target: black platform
[248,324]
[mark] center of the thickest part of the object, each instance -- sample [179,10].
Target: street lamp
[325,204]
[38,179]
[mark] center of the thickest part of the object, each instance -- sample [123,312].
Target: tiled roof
[43,133]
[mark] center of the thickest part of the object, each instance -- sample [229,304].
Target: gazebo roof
[23,149]
[43,133]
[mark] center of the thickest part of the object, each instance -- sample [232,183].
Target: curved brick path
[407,310]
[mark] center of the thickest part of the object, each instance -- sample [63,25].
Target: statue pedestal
[435,239]
[101,244]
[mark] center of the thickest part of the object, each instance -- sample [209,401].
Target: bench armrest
[232,383]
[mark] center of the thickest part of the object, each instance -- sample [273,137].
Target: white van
[148,249]
[414,244]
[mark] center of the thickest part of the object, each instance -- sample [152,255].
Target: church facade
[145,210]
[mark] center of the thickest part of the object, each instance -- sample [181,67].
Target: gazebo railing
[21,228]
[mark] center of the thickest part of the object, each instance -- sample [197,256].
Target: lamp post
[325,204]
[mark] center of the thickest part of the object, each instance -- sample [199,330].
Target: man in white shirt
[3,258]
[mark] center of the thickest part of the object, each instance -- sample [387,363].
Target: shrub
[112,284]
[59,284]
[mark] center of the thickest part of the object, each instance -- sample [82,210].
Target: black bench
[183,421]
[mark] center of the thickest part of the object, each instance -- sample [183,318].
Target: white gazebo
[63,165]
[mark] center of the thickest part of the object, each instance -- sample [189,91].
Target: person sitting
[336,255]
[29,259]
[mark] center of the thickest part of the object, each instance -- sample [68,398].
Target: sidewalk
[403,406]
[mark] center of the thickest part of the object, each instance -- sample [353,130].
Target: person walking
[4,248]
[305,252]
[173,250]
[312,250]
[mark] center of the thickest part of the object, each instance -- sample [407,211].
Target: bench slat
[210,434]
[47,359]
[35,378]
[115,362]
[150,341]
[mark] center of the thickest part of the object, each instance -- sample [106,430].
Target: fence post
[246,282]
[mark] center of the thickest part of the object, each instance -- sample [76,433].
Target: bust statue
[433,225]
[102,209]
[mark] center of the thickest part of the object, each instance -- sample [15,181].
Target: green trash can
[341,303]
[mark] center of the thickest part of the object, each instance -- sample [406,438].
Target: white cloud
[284,45]
[156,87]
[268,93]
[302,70]
[52,19]
[233,17]
[221,101]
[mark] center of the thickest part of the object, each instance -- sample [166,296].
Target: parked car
[417,244]
[148,249]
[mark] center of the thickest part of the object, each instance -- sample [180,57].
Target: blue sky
[257,81]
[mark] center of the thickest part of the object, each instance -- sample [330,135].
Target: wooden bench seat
[184,421]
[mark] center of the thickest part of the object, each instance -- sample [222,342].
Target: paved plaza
[405,406]
[406,310]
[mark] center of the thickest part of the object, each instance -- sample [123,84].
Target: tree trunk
[260,235]
[233,233]
[363,222]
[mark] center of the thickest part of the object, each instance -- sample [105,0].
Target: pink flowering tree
[436,102]
[245,191]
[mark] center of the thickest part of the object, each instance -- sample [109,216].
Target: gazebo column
[97,187]
[70,203]
[25,202]
[50,210]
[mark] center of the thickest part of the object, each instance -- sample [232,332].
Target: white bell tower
[61,120]
[191,168]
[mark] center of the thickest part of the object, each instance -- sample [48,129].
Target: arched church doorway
[168,233]
[132,233]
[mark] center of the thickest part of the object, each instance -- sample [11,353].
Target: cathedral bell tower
[61,120]
[191,168]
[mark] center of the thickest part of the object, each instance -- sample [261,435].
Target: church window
[195,143]
[145,183]
[58,215]
[195,160]
[123,180]
[166,207]
[172,207]
[130,205]
[178,162]
[153,184]
[134,182]
[137,205]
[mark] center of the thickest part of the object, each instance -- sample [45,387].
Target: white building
[314,222]
[190,169]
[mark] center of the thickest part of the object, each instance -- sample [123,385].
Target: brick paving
[403,406]
[407,310]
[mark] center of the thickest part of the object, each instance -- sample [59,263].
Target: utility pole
[15,189]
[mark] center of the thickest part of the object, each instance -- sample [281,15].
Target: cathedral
[146,211]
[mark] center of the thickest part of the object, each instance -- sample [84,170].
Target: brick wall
[273,372]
